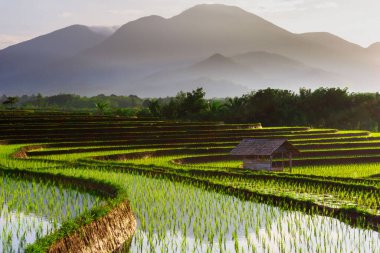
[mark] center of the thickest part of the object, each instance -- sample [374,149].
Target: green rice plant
[180,207]
[172,210]
[32,209]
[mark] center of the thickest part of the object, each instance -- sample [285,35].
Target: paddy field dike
[74,182]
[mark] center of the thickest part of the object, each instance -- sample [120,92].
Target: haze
[356,21]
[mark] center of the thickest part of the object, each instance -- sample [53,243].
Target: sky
[353,20]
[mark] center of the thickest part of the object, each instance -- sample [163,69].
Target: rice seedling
[32,209]
[192,214]
[174,217]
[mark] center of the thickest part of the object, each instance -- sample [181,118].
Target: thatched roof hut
[258,154]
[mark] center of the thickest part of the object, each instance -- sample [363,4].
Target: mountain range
[224,49]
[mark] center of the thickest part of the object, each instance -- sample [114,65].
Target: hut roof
[264,147]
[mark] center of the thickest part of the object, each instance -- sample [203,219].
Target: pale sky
[355,20]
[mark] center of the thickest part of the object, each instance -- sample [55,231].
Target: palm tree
[10,101]
[101,107]
[214,106]
[154,108]
[235,103]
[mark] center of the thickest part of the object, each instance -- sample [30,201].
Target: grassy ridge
[91,147]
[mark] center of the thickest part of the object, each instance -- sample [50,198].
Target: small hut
[265,154]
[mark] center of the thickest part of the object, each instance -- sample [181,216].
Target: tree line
[323,107]
[127,105]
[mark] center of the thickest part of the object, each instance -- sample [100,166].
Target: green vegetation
[10,101]
[32,209]
[189,195]
[272,107]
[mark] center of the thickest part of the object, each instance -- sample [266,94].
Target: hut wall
[253,164]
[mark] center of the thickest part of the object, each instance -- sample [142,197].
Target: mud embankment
[107,234]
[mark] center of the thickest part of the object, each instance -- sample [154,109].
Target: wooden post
[271,163]
[290,162]
[282,160]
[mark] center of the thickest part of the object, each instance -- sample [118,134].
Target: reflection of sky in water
[219,223]
[31,210]
[19,229]
[298,233]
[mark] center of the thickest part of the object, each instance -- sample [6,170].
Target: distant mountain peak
[374,50]
[43,51]
[216,60]
[145,20]
[211,10]
[151,18]
[140,23]
[375,45]
[213,7]
[219,65]
[106,30]
[218,57]
[208,41]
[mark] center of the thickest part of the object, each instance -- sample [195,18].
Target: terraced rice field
[31,209]
[185,190]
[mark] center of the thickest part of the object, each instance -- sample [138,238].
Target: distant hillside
[154,56]
[254,70]
[374,50]
[47,49]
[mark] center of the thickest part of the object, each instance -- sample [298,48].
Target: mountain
[332,41]
[278,70]
[105,30]
[213,42]
[223,76]
[218,65]
[218,75]
[374,50]
[37,54]
[193,34]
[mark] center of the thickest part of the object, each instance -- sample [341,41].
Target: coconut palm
[101,107]
[10,101]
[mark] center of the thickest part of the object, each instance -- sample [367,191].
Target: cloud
[281,6]
[107,30]
[326,5]
[294,5]
[66,14]
[126,12]
[7,40]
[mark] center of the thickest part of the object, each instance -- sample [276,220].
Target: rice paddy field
[185,190]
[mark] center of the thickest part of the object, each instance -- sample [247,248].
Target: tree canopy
[323,107]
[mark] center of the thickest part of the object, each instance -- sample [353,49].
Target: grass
[32,209]
[174,216]
[217,206]
[348,170]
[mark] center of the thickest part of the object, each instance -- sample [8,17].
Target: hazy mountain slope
[195,33]
[248,71]
[104,30]
[171,85]
[37,55]
[332,41]
[144,53]
[219,65]
[277,69]
[353,61]
[150,44]
[207,29]
[153,43]
[218,75]
[374,50]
